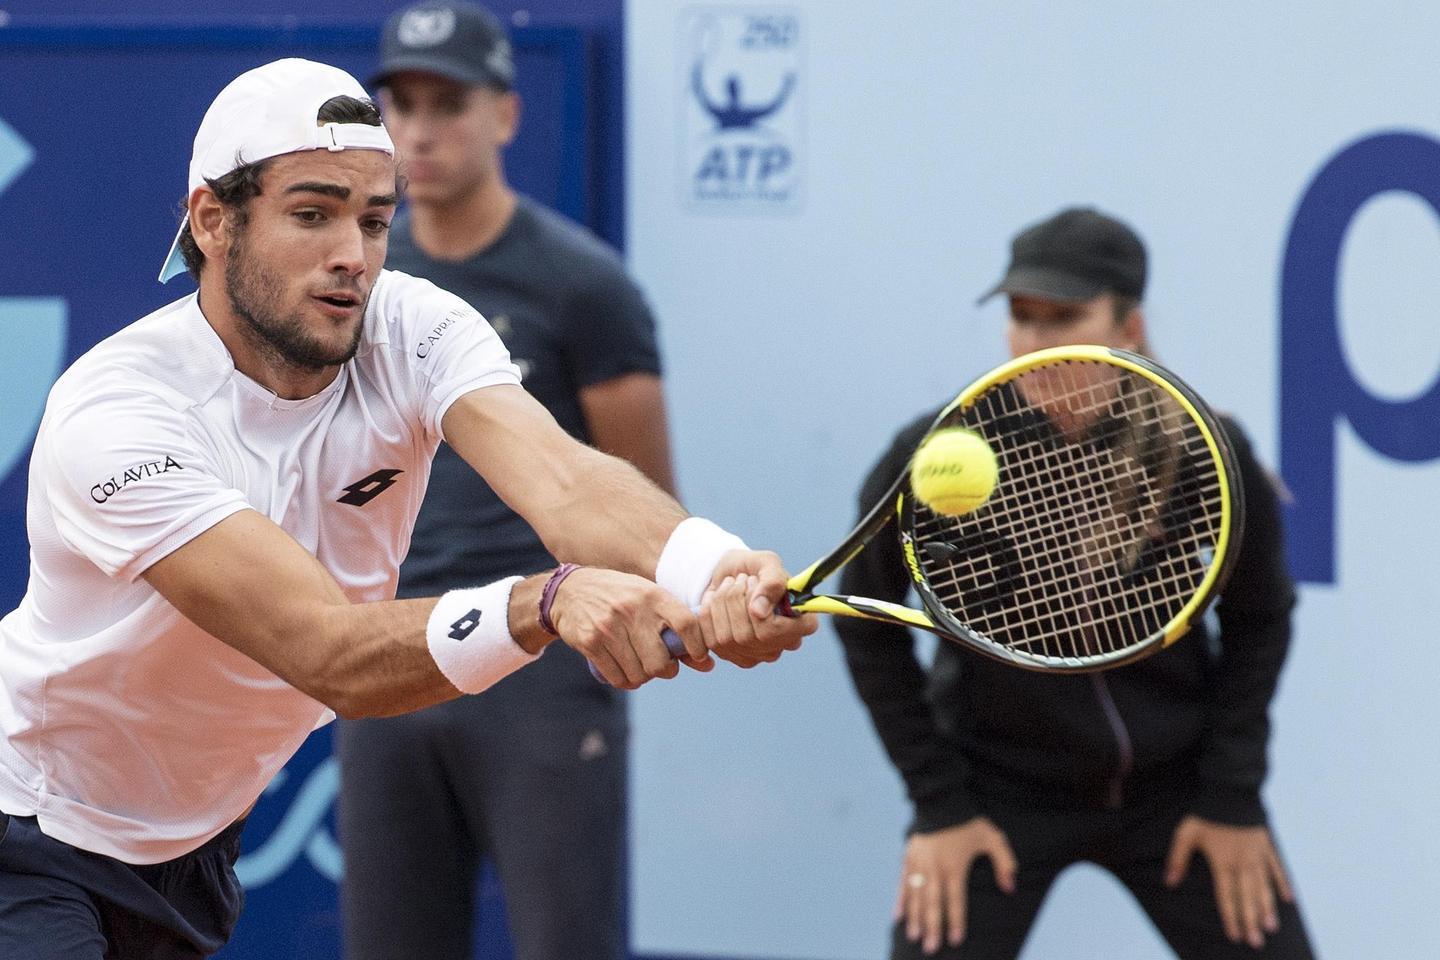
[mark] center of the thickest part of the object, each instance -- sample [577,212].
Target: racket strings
[1103,525]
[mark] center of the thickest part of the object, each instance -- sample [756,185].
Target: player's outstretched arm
[592,508]
[247,582]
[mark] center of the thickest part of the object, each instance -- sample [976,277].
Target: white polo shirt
[128,731]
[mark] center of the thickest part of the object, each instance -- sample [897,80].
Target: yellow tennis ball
[954,471]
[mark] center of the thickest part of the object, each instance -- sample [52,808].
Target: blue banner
[96,124]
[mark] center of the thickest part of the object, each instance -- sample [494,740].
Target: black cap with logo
[453,39]
[1074,256]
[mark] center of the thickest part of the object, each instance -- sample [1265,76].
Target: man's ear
[207,223]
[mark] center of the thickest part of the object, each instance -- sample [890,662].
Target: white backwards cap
[267,112]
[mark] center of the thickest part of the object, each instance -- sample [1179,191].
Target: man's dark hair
[236,189]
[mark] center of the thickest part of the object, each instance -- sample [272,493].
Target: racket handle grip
[676,646]
[673,643]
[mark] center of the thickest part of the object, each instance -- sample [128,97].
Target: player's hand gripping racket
[1114,520]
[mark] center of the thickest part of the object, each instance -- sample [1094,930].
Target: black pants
[61,903]
[1132,843]
[425,795]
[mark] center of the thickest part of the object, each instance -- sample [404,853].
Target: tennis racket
[1114,522]
[1115,519]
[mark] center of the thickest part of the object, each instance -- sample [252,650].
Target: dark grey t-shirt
[562,303]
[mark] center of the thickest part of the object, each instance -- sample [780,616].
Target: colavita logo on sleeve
[423,350]
[108,488]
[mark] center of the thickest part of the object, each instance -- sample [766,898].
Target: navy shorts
[58,902]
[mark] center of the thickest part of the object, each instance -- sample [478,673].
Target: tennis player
[220,497]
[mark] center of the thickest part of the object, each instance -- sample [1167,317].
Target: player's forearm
[375,659]
[248,583]
[370,659]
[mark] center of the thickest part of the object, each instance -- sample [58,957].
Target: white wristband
[469,636]
[690,556]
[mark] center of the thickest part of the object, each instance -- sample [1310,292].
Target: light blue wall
[923,135]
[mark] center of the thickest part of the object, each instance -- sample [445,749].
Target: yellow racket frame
[803,599]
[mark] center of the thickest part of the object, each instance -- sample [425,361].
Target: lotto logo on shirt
[108,488]
[740,109]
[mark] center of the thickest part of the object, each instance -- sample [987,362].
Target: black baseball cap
[1074,256]
[450,38]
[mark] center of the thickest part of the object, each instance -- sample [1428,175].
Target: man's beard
[254,292]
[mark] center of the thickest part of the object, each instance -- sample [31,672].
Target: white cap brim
[175,262]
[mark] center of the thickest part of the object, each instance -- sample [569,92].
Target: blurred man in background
[425,798]
[1015,775]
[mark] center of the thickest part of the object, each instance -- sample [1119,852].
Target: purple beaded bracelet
[547,595]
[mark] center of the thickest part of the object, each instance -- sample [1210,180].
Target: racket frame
[894,506]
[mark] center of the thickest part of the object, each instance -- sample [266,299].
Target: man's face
[448,136]
[299,271]
[1036,323]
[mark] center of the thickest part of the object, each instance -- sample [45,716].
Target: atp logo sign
[740,110]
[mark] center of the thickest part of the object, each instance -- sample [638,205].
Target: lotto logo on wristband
[465,626]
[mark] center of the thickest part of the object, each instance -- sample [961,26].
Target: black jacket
[1193,715]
